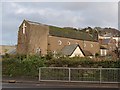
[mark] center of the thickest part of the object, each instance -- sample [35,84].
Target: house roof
[108,35]
[87,53]
[70,33]
[31,22]
[105,41]
[103,47]
[69,49]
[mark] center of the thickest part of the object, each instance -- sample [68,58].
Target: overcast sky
[79,15]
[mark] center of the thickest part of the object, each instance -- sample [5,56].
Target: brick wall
[54,45]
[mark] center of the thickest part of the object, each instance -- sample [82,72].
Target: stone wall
[38,39]
[35,37]
[23,39]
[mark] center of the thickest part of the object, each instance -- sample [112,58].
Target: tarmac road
[34,83]
[57,85]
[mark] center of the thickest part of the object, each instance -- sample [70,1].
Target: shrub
[26,65]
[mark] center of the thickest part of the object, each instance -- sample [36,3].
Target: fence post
[69,74]
[39,74]
[100,75]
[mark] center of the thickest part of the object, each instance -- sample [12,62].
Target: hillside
[108,31]
[102,31]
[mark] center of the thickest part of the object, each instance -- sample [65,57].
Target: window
[68,42]
[59,42]
[76,42]
[38,51]
[23,28]
[91,45]
[84,45]
[103,52]
[54,52]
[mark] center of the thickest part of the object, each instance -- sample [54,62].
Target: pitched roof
[32,22]
[87,53]
[70,33]
[103,47]
[66,32]
[69,49]
[105,41]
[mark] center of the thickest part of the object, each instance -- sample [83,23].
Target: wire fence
[99,75]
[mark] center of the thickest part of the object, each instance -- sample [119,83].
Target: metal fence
[98,75]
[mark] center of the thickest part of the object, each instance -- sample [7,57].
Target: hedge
[22,65]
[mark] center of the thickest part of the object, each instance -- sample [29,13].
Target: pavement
[35,81]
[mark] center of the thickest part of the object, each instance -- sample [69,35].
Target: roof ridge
[35,22]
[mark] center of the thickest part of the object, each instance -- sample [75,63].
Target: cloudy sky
[69,14]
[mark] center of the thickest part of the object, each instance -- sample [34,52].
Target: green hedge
[82,62]
[22,65]
[28,66]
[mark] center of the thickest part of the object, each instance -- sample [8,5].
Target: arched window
[59,42]
[84,44]
[76,43]
[68,42]
[91,45]
[54,52]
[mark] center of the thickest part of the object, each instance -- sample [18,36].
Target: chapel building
[34,37]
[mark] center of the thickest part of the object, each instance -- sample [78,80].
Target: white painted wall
[103,37]
[77,52]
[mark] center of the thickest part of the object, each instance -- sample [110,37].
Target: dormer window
[59,42]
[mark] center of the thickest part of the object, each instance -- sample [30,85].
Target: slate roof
[103,47]
[70,33]
[105,41]
[66,32]
[87,53]
[69,49]
[31,22]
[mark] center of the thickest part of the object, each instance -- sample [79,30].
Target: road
[20,85]
[57,85]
